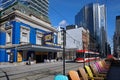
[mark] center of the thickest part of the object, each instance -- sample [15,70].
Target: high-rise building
[93,17]
[116,38]
[85,18]
[103,30]
[40,6]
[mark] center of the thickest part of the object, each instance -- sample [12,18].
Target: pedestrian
[29,61]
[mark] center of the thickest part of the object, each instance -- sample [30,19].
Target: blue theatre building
[24,35]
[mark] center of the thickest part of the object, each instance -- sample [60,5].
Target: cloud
[63,23]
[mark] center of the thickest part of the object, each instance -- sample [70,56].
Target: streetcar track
[52,71]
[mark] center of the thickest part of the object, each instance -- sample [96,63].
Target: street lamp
[64,32]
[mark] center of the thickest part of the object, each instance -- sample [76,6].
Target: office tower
[93,17]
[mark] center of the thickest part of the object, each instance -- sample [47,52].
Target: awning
[39,48]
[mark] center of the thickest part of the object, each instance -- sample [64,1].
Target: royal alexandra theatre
[23,36]
[40,53]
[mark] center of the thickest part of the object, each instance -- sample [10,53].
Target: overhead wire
[67,20]
[58,13]
[78,43]
[72,37]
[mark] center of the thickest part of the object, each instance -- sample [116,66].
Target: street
[41,71]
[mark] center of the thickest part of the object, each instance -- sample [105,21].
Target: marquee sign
[48,37]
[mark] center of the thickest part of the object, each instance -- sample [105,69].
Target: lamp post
[64,32]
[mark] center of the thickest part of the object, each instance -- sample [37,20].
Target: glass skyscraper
[40,6]
[88,17]
[93,17]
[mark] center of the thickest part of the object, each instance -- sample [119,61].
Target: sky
[62,12]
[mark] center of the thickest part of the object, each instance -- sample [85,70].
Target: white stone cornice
[2,46]
[32,19]
[2,29]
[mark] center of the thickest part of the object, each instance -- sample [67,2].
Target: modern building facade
[103,30]
[116,38]
[25,36]
[93,17]
[76,39]
[40,6]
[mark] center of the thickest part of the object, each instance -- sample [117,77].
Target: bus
[86,56]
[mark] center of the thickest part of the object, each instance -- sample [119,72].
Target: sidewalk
[7,64]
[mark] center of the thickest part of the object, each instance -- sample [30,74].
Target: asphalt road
[41,71]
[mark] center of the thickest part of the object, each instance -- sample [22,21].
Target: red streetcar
[86,56]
